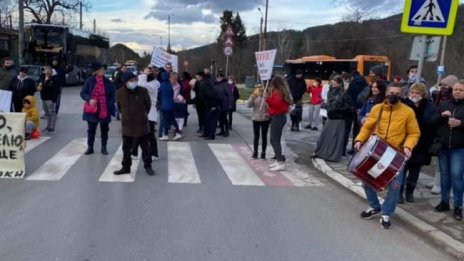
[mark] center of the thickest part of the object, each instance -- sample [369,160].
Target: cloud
[196,10]
[116,20]
[383,6]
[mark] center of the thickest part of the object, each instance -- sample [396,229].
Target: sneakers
[278,167]
[178,136]
[410,198]
[164,138]
[314,128]
[50,131]
[385,222]
[254,155]
[308,127]
[443,206]
[457,214]
[123,170]
[436,190]
[273,164]
[150,171]
[369,213]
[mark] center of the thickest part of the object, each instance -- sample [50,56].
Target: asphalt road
[208,201]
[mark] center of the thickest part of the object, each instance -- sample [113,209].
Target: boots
[263,155]
[89,151]
[123,170]
[104,151]
[410,193]
[255,155]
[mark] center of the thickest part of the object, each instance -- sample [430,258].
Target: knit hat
[377,70]
[127,76]
[450,80]
[95,66]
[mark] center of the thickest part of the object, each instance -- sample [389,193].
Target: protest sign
[160,57]
[12,145]
[5,101]
[265,63]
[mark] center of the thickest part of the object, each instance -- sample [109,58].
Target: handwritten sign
[265,63]
[160,57]
[12,143]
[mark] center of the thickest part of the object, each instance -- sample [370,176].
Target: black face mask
[393,99]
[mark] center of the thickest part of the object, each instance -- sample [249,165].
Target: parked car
[110,71]
[132,69]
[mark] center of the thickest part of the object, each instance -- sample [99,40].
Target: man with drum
[396,124]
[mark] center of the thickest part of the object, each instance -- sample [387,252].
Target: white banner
[160,57]
[265,63]
[12,145]
[5,101]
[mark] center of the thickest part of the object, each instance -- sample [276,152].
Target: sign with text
[265,63]
[12,144]
[160,57]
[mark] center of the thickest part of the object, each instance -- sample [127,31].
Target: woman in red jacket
[278,103]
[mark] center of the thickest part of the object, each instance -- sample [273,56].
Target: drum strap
[377,122]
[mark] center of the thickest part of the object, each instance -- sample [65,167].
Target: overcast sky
[141,24]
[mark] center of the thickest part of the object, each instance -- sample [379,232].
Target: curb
[450,244]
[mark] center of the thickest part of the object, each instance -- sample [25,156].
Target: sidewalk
[442,228]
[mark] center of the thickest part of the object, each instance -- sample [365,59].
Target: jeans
[389,204]
[166,120]
[260,127]
[451,162]
[49,109]
[314,117]
[277,126]
[30,126]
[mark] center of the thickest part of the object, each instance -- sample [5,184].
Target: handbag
[89,108]
[436,146]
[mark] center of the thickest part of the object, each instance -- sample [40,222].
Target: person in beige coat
[260,120]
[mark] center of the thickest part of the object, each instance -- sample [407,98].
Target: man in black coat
[134,104]
[297,87]
[21,86]
[225,103]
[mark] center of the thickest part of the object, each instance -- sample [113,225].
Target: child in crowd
[32,117]
[315,102]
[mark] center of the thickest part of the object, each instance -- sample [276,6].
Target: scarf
[98,94]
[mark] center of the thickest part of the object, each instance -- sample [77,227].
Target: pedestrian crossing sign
[435,17]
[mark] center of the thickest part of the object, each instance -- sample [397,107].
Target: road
[208,201]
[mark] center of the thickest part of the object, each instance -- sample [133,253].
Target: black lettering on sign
[8,154]
[19,174]
[11,140]
[2,121]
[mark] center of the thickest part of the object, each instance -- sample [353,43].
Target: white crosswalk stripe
[181,165]
[235,167]
[115,164]
[57,166]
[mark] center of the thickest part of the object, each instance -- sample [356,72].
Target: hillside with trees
[342,40]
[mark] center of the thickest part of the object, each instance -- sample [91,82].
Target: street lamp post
[265,26]
[260,31]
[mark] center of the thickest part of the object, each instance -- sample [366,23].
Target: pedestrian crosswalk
[179,164]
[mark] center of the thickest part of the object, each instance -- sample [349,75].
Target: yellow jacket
[31,113]
[397,126]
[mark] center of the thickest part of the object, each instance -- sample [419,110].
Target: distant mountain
[121,53]
[342,40]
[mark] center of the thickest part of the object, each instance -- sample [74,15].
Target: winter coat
[339,105]
[357,85]
[165,94]
[236,95]
[224,95]
[297,88]
[152,88]
[134,106]
[50,88]
[31,113]
[208,96]
[86,94]
[397,125]
[21,88]
[315,93]
[259,113]
[424,113]
[366,108]
[276,104]
[450,137]
[6,76]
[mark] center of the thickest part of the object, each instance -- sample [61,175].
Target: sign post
[228,44]
[265,62]
[428,17]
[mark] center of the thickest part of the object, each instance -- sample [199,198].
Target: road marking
[32,143]
[115,164]
[235,167]
[181,164]
[57,166]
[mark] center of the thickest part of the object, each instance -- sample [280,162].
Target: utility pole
[442,58]
[169,34]
[80,15]
[21,32]
[265,26]
[94,26]
[260,31]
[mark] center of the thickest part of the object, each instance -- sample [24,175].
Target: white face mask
[230,82]
[131,85]
[415,99]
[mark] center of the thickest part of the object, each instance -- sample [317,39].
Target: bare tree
[284,44]
[359,10]
[6,9]
[48,11]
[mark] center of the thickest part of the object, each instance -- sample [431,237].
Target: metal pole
[94,26]
[21,32]
[420,65]
[80,15]
[169,33]
[265,26]
[442,58]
